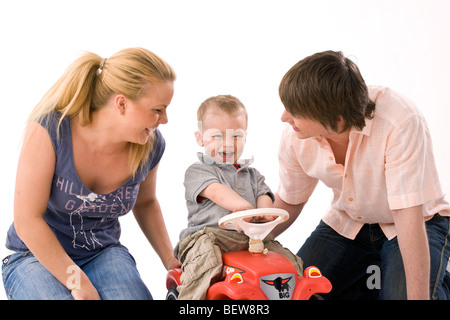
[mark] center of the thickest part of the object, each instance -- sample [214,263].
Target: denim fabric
[113,273]
[345,262]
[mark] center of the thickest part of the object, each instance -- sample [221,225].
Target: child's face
[222,135]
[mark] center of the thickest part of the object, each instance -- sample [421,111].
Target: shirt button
[359,218]
[345,176]
[350,199]
[331,158]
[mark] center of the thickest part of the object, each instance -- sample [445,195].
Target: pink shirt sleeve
[411,176]
[295,185]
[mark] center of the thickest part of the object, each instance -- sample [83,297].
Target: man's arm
[294,212]
[413,243]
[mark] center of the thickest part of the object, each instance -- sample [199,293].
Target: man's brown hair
[323,87]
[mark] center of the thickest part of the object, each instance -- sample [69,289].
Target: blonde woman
[90,155]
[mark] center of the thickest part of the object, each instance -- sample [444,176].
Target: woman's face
[148,112]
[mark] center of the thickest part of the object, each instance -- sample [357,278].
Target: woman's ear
[121,103]
[199,139]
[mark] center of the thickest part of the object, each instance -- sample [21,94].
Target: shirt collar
[365,131]
[367,128]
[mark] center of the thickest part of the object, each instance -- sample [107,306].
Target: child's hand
[244,208]
[260,219]
[257,219]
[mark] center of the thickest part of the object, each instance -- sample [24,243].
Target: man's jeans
[353,266]
[112,272]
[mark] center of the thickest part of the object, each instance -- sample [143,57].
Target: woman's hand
[172,263]
[84,290]
[79,294]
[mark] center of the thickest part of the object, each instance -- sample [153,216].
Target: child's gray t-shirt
[245,180]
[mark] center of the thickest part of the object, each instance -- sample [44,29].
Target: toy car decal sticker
[230,269]
[238,277]
[278,286]
[314,273]
[232,273]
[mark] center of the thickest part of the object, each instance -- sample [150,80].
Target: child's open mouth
[226,155]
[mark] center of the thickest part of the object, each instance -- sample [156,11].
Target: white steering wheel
[256,231]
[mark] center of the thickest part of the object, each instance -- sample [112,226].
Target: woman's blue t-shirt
[83,221]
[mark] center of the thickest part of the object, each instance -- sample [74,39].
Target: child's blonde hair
[227,103]
[90,81]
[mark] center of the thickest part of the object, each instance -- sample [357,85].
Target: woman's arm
[33,184]
[147,212]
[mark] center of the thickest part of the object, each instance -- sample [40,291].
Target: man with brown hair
[372,147]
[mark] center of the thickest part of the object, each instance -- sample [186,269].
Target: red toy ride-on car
[257,274]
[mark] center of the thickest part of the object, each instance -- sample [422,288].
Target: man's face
[305,128]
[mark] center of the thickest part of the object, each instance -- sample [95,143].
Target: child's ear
[199,139]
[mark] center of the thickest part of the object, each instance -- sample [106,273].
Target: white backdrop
[242,48]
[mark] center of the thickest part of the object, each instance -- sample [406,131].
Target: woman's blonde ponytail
[72,93]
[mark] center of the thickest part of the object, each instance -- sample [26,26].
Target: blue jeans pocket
[7,265]
[8,261]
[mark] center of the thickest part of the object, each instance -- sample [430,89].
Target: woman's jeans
[113,273]
[371,266]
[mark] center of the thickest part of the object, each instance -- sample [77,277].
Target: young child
[219,184]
